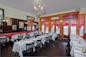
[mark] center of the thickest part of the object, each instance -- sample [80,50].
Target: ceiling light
[35,8]
[38,7]
[42,8]
[5,20]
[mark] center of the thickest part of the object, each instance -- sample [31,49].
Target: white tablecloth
[42,38]
[54,36]
[77,45]
[20,46]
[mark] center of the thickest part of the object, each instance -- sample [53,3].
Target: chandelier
[38,7]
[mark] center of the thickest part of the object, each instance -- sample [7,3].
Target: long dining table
[78,46]
[20,46]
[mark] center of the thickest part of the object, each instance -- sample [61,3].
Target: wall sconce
[5,20]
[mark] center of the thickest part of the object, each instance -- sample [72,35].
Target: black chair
[67,48]
[29,49]
[48,39]
[3,41]
[20,36]
[28,36]
[17,40]
[39,43]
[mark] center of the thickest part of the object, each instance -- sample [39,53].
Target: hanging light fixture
[38,10]
[38,7]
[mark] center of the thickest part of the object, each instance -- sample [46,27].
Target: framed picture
[14,27]
[21,24]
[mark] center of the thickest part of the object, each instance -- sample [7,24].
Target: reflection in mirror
[1,18]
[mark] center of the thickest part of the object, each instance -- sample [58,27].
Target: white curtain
[81,31]
[73,30]
[33,28]
[57,30]
[47,29]
[52,30]
[43,28]
[65,30]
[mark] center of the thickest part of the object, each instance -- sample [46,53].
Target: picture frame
[14,27]
[21,24]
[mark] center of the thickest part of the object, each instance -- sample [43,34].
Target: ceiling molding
[57,13]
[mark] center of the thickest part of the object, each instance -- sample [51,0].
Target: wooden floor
[56,48]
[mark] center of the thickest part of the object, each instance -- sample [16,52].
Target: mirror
[1,18]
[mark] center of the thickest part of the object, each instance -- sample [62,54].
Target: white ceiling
[51,6]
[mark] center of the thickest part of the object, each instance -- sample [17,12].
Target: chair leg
[40,45]
[34,49]
[67,51]
[16,54]
[48,41]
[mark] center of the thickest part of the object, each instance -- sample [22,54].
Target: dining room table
[78,46]
[20,46]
